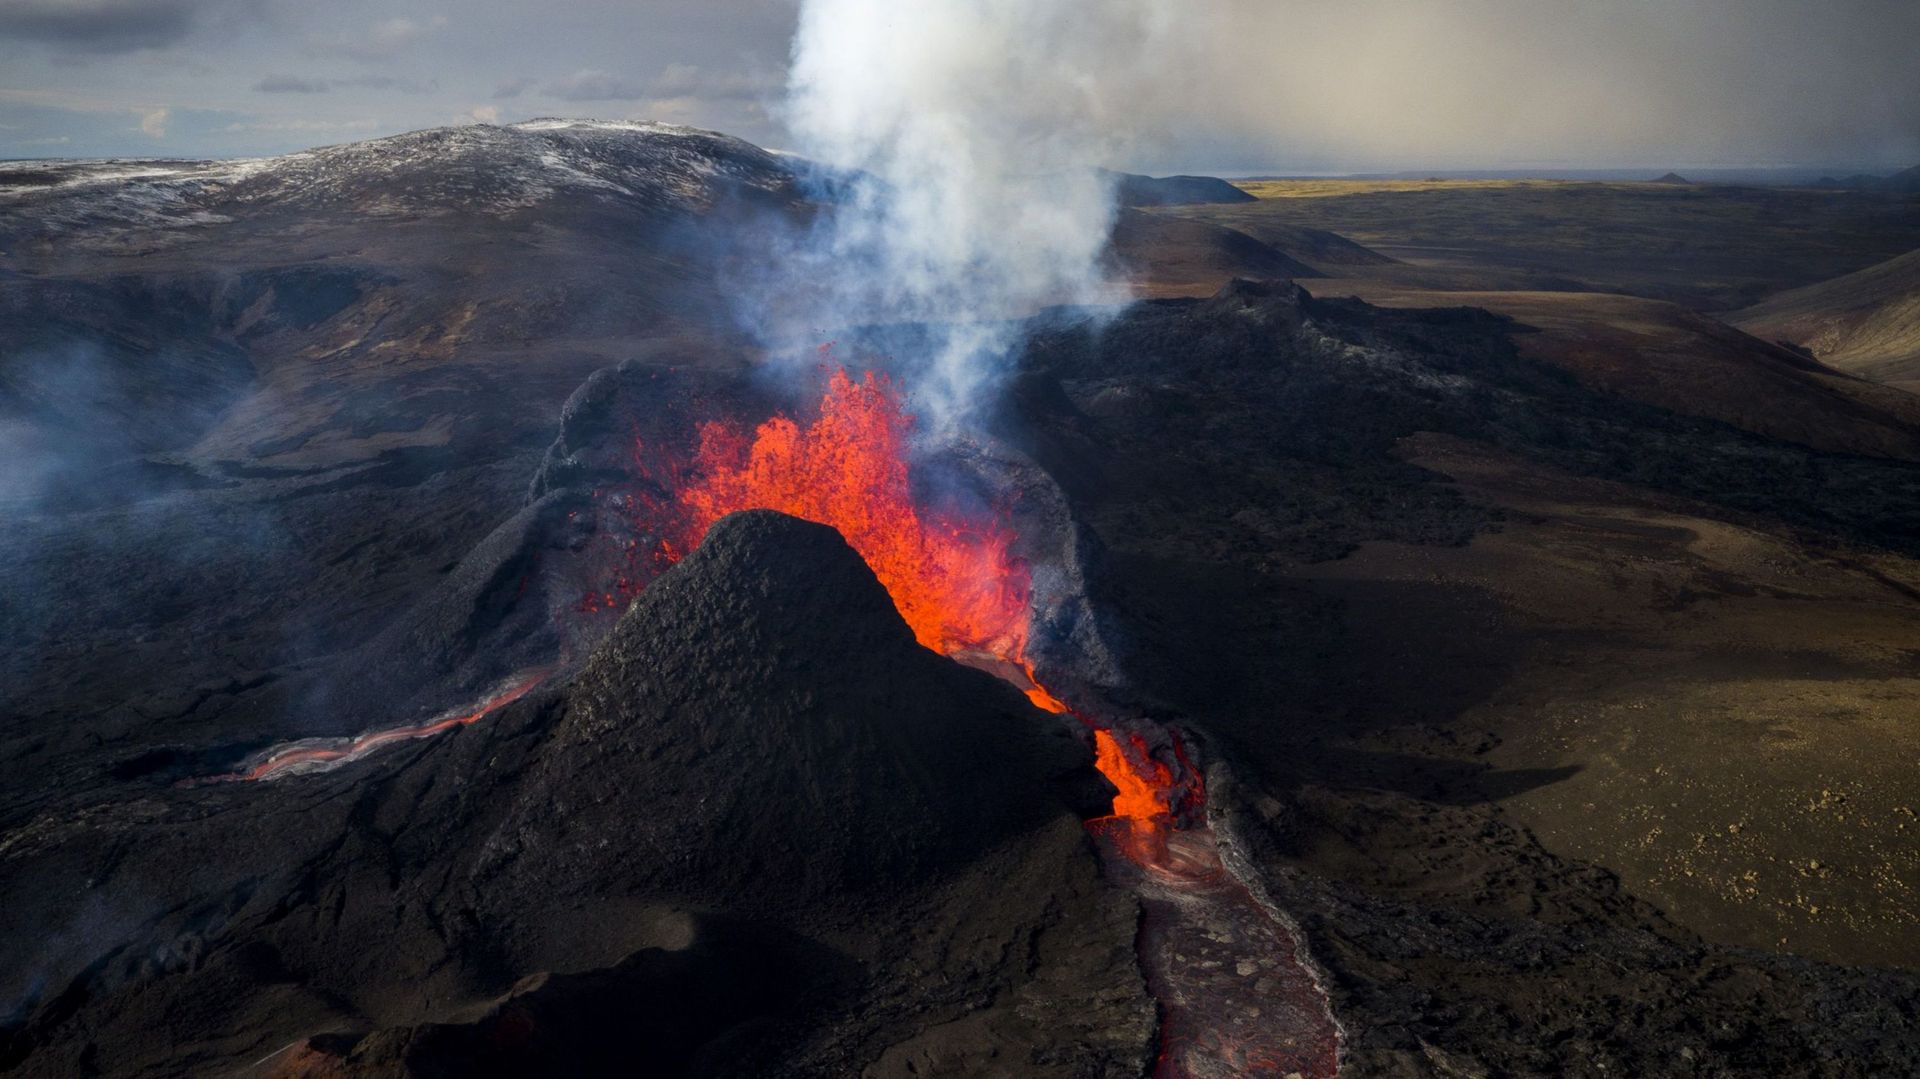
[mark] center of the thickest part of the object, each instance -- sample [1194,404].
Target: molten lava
[1145,784]
[325,754]
[953,579]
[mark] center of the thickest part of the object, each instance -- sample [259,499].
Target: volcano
[484,659]
[759,734]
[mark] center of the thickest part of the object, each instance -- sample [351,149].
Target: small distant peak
[1671,178]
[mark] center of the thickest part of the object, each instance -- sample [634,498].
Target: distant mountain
[1672,178]
[1136,190]
[1906,180]
[480,168]
[1866,323]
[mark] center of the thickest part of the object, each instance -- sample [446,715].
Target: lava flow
[954,580]
[953,577]
[1236,995]
[325,754]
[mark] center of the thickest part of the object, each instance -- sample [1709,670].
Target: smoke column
[971,129]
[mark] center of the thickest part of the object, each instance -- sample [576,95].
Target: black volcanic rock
[664,1003]
[760,737]
[1318,384]
[796,741]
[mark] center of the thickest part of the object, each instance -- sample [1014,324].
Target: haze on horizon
[1263,85]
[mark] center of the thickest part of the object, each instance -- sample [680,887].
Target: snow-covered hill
[477,169]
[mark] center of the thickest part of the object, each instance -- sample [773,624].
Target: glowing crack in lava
[309,755]
[1236,996]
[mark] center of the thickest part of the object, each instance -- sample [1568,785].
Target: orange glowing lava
[1145,784]
[320,754]
[953,577]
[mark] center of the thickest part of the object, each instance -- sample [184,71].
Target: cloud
[592,85]
[298,124]
[115,26]
[688,81]
[154,122]
[292,84]
[679,89]
[1261,85]
[388,82]
[485,114]
[512,88]
[703,97]
[1419,84]
[383,40]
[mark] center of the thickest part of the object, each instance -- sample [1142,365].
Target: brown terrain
[1726,711]
[1866,323]
[1722,709]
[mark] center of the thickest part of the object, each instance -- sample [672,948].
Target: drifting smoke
[968,132]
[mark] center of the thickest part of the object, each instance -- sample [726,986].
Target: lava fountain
[954,579]
[1236,994]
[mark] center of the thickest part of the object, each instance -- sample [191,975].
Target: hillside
[1866,323]
[1664,355]
[1133,189]
[1172,256]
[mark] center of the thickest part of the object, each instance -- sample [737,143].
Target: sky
[1246,85]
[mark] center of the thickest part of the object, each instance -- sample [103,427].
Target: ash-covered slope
[872,760]
[760,740]
[1866,323]
[251,410]
[1304,399]
[347,302]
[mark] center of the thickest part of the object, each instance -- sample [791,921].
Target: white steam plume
[972,128]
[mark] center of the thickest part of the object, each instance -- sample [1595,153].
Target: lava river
[309,755]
